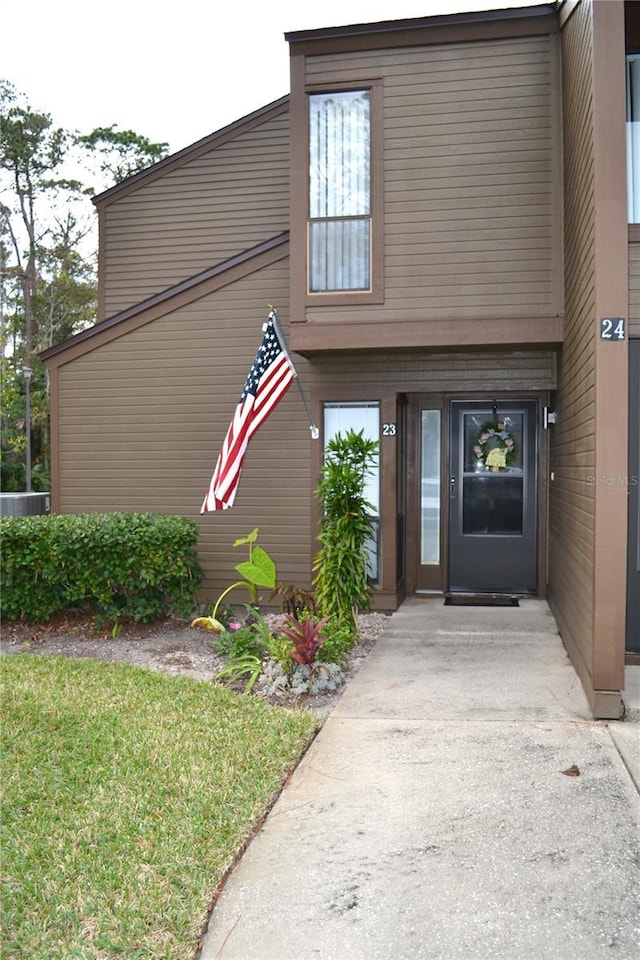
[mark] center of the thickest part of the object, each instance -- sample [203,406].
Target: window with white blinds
[633,137]
[340,191]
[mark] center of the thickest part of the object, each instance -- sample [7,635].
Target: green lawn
[125,794]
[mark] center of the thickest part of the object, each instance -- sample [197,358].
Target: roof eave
[191,151]
[444,20]
[170,293]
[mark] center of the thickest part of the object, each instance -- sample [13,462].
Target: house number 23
[388,429]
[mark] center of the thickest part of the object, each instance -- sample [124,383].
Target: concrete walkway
[431,818]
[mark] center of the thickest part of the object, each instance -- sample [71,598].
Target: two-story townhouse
[439,212]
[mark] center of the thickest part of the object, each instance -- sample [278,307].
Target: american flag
[269,379]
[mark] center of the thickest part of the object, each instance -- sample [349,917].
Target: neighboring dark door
[633,555]
[493,480]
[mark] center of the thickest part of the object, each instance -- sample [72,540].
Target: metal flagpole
[273,315]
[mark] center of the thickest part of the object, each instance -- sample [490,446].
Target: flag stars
[268,351]
[269,379]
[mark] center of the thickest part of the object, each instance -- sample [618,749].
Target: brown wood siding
[142,418]
[196,215]
[572,520]
[634,288]
[422,371]
[472,219]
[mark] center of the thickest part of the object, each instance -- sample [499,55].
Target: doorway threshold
[480,600]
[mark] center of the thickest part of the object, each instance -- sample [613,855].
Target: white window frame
[339,241]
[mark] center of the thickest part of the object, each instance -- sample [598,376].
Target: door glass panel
[493,475]
[430,488]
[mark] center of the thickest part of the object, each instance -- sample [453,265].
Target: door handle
[452,487]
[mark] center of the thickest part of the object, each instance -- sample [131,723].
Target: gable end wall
[195,216]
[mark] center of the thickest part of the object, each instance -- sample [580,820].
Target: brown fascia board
[171,293]
[541,18]
[192,152]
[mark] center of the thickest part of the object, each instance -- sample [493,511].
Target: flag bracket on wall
[269,379]
[315,433]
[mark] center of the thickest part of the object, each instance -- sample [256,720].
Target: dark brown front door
[492,496]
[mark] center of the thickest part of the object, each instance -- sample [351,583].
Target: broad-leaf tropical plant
[258,571]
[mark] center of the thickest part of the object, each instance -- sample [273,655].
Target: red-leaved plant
[306,637]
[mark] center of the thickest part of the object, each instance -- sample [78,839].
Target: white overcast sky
[173,72]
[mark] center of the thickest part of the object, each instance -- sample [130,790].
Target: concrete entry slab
[468,662]
[426,824]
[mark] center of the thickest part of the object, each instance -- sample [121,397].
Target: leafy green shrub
[281,651]
[339,640]
[238,643]
[137,565]
[341,582]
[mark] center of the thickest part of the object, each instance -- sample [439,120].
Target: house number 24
[388,429]
[612,328]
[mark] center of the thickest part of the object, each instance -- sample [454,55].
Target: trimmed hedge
[138,565]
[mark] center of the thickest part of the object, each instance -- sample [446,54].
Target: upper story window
[340,191]
[633,137]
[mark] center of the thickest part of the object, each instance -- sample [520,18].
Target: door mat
[480,600]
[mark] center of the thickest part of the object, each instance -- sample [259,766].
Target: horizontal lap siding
[142,419]
[207,210]
[423,372]
[634,288]
[573,450]
[471,146]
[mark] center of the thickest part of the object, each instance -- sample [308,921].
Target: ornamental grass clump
[341,582]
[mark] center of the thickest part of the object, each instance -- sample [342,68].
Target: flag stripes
[269,379]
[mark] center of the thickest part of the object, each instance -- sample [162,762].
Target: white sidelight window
[340,418]
[430,488]
[340,191]
[633,137]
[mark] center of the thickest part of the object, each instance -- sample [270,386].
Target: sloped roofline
[213,275]
[192,151]
[416,23]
